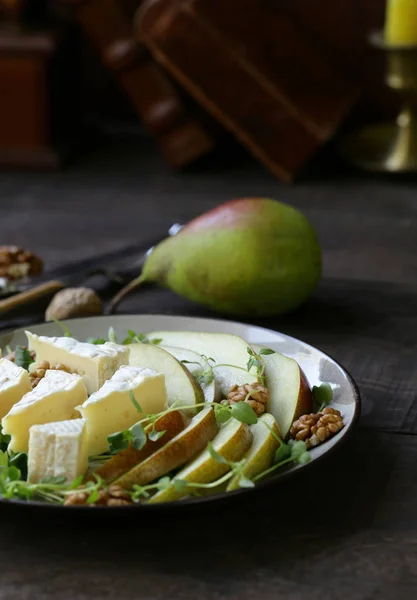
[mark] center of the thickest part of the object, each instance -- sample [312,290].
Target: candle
[401,22]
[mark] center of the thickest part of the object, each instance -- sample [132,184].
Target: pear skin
[262,451]
[198,366]
[229,352]
[289,391]
[182,387]
[253,257]
[172,423]
[232,442]
[182,448]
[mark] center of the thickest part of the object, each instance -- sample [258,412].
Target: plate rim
[193,501]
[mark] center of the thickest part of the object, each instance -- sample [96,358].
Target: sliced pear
[289,392]
[232,442]
[224,348]
[182,388]
[182,448]
[172,423]
[200,369]
[262,451]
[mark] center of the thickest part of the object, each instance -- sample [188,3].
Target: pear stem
[115,301]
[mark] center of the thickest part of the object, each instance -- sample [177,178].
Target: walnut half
[74,302]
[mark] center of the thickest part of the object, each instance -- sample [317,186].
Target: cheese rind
[95,363]
[54,399]
[14,384]
[111,408]
[58,450]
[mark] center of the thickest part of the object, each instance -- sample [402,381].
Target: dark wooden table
[345,530]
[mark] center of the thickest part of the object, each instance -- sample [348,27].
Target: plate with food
[140,412]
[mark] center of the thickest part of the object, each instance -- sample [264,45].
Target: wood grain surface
[345,530]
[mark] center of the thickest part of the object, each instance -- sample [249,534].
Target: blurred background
[193,74]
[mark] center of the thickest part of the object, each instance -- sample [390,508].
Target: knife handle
[35,293]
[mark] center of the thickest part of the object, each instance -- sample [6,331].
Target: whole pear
[248,257]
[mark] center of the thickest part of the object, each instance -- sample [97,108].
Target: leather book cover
[181,137]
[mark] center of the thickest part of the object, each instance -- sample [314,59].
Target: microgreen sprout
[96,341]
[139,338]
[4,439]
[322,396]
[23,357]
[65,329]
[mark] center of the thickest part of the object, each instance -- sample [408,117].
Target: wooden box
[281,85]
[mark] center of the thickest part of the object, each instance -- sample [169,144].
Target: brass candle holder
[390,147]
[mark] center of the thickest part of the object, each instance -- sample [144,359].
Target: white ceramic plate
[317,366]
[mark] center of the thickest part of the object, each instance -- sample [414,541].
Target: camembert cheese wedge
[53,399]
[95,363]
[58,450]
[14,384]
[111,408]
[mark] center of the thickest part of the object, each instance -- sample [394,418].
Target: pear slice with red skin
[182,448]
[232,442]
[289,391]
[172,424]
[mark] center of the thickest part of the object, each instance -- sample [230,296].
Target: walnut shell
[74,302]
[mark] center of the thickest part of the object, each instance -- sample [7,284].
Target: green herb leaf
[23,357]
[135,338]
[245,482]
[96,341]
[20,461]
[4,459]
[119,441]
[135,402]
[322,396]
[266,351]
[163,483]
[222,413]
[215,455]
[138,436]
[180,485]
[206,378]
[112,335]
[4,439]
[283,452]
[13,474]
[244,413]
[156,341]
[298,448]
[250,351]
[67,332]
[77,482]
[93,497]
[304,458]
[154,435]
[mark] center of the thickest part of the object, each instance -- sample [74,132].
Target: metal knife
[118,266]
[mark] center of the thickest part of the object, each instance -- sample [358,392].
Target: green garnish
[95,341]
[139,338]
[4,440]
[65,329]
[23,357]
[135,436]
[322,396]
[241,411]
